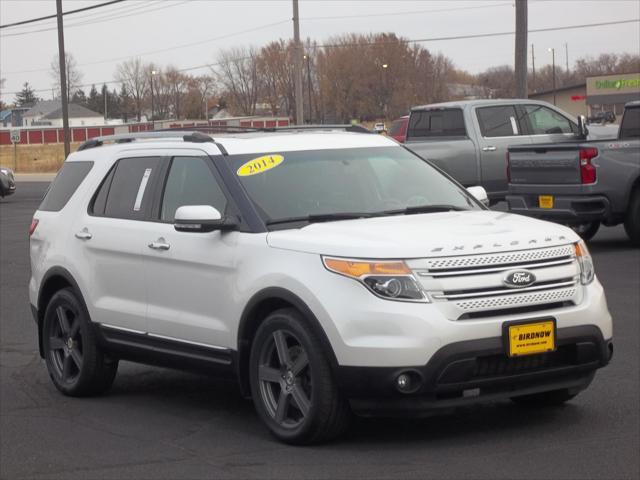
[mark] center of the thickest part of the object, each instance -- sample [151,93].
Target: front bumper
[477,371]
[566,208]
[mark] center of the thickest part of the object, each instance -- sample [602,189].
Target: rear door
[191,276]
[499,127]
[109,234]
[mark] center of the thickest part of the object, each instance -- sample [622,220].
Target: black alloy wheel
[292,382]
[285,379]
[77,366]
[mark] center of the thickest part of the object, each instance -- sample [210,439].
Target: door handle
[84,234]
[490,148]
[159,244]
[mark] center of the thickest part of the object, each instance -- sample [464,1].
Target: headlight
[5,171]
[391,280]
[586,263]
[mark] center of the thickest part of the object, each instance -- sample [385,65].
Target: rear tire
[545,399]
[632,219]
[586,230]
[76,364]
[292,384]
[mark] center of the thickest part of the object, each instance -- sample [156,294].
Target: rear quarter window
[437,123]
[630,127]
[64,185]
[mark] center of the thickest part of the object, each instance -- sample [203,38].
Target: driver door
[191,276]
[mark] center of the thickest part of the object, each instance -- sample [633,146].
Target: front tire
[75,362]
[586,230]
[292,383]
[632,219]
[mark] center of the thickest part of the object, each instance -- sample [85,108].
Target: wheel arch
[257,309]
[53,281]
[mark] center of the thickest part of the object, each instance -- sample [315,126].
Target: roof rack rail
[194,136]
[346,127]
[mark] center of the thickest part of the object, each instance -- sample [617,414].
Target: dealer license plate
[530,338]
[545,201]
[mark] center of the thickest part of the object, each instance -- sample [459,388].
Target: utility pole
[566,55]
[521,49]
[308,59]
[297,64]
[553,71]
[63,80]
[533,66]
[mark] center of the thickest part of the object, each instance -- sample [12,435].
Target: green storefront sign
[618,84]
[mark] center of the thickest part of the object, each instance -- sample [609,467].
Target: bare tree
[74,76]
[237,73]
[177,87]
[134,78]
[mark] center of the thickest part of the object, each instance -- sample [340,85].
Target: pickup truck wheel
[292,384]
[632,220]
[74,360]
[586,230]
[544,399]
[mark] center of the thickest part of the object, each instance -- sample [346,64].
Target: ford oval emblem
[519,279]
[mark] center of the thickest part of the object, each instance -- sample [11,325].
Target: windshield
[345,182]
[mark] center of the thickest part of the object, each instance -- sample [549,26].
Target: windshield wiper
[321,217]
[425,209]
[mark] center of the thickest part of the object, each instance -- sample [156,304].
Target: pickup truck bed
[579,183]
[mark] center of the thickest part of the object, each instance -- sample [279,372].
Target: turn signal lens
[360,269]
[587,272]
[32,227]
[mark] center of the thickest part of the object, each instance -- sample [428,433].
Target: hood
[425,235]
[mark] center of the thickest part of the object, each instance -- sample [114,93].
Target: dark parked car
[7,182]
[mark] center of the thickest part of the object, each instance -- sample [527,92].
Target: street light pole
[153,115]
[553,71]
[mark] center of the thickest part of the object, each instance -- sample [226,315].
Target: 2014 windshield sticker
[260,165]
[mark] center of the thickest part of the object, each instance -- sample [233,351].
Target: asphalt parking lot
[158,423]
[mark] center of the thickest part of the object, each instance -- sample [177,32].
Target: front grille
[522,299]
[499,365]
[508,258]
[472,286]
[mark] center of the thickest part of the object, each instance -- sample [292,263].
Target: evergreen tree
[125,103]
[79,98]
[94,101]
[26,97]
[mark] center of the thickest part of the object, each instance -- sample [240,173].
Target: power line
[480,35]
[48,17]
[151,52]
[105,18]
[421,40]
[411,12]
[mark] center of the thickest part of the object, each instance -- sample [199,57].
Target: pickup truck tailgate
[544,165]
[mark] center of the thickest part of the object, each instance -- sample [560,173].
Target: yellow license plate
[545,201]
[530,338]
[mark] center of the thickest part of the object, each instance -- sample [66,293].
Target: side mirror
[583,131]
[201,219]
[480,194]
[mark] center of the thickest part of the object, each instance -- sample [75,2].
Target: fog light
[403,382]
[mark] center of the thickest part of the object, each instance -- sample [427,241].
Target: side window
[100,198]
[64,185]
[630,127]
[129,195]
[190,182]
[544,121]
[499,121]
[437,123]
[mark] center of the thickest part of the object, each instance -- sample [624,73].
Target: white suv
[329,271]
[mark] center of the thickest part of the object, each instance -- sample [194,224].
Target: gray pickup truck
[582,184]
[469,139]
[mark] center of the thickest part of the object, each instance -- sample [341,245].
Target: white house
[49,113]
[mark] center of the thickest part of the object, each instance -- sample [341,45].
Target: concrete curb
[34,177]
